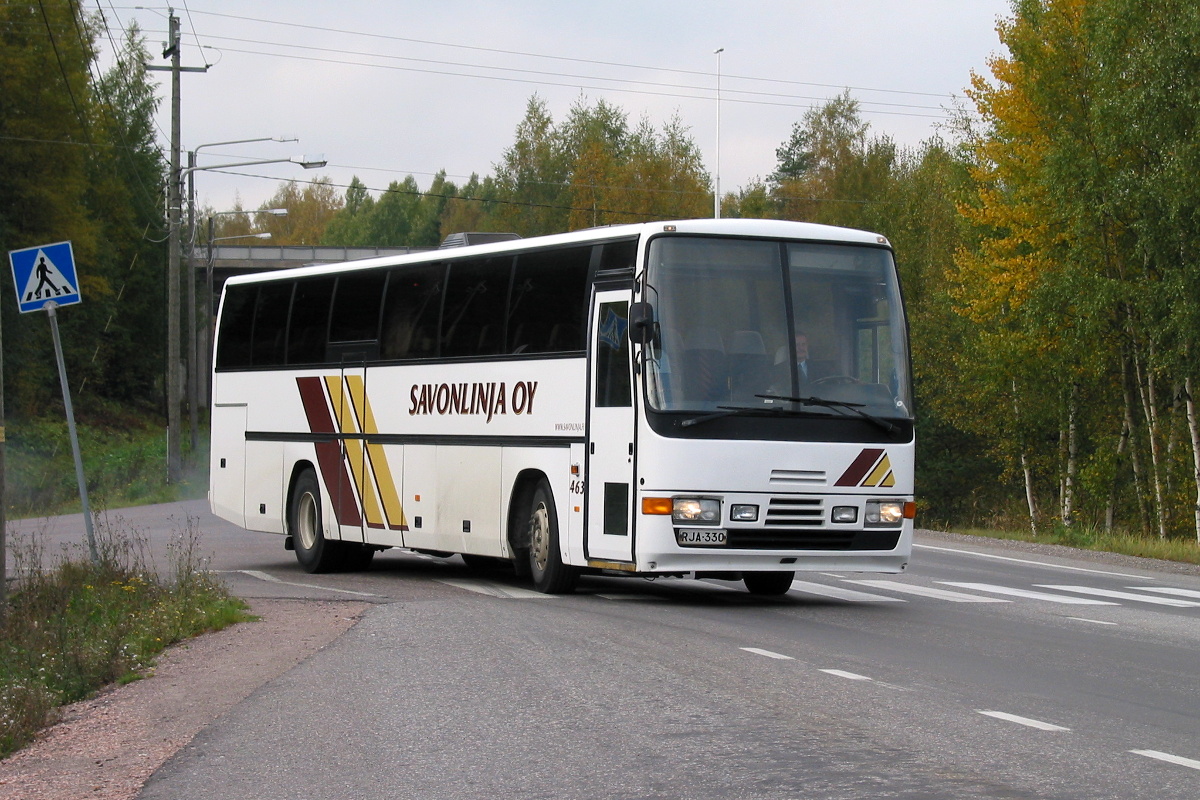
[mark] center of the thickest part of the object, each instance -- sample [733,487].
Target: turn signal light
[656,505]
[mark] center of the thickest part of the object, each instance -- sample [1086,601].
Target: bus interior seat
[748,364]
[704,366]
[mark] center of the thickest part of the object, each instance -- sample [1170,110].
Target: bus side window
[354,322]
[473,314]
[237,326]
[410,312]
[309,321]
[547,306]
[270,324]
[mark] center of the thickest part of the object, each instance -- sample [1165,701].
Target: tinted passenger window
[309,321]
[548,302]
[410,312]
[473,316]
[356,307]
[237,326]
[270,324]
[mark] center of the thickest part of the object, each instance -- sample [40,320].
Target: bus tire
[550,575]
[314,552]
[768,584]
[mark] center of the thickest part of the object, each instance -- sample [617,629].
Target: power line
[388,37]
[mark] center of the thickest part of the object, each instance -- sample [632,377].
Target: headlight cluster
[884,513]
[695,511]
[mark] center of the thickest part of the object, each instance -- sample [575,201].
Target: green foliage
[80,163]
[73,625]
[124,460]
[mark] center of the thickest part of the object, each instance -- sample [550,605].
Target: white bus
[705,398]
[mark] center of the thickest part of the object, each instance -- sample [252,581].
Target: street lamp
[717,175]
[174,390]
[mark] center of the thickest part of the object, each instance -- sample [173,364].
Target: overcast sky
[387,89]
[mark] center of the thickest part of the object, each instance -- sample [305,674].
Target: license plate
[701,537]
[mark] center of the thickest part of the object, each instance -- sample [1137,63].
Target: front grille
[793,511]
[801,539]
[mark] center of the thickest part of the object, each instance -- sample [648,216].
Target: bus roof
[765,228]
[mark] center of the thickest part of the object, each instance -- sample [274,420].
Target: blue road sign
[44,273]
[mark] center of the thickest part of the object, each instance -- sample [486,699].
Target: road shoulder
[108,746]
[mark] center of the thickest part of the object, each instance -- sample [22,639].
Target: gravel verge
[108,746]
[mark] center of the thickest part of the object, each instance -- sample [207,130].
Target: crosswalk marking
[839,593]
[495,589]
[1052,598]
[1169,758]
[926,591]
[1026,721]
[1140,598]
[1167,590]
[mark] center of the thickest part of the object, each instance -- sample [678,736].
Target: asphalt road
[985,672]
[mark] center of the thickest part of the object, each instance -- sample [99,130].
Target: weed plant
[72,626]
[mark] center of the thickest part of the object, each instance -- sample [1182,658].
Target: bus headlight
[884,513]
[695,511]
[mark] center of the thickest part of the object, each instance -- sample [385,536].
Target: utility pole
[174,203]
[174,449]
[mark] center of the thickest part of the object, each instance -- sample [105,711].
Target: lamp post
[174,390]
[717,175]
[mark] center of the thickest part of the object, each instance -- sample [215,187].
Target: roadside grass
[124,462]
[72,626]
[1185,550]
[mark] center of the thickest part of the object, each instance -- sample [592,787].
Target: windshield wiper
[754,411]
[836,405]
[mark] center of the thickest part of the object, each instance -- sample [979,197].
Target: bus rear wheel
[766,584]
[314,552]
[550,574]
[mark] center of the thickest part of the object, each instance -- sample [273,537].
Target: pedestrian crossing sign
[44,273]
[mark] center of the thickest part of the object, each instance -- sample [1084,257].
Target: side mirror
[642,327]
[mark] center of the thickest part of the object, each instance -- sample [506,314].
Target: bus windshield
[768,325]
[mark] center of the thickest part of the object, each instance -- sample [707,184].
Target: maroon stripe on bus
[858,470]
[329,452]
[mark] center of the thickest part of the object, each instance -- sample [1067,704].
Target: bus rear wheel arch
[305,528]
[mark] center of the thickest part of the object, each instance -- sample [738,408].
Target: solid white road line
[1027,561]
[1170,759]
[838,593]
[769,654]
[1053,598]
[850,676]
[925,591]
[1167,590]
[1140,598]
[1026,721]
[1093,621]
[262,576]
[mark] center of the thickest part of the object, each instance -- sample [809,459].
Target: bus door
[610,427]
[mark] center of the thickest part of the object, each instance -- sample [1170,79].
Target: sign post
[45,278]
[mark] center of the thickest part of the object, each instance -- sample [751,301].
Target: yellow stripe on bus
[379,463]
[354,450]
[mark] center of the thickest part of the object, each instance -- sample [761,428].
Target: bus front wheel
[768,583]
[550,574]
[314,552]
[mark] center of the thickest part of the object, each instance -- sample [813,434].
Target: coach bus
[705,398]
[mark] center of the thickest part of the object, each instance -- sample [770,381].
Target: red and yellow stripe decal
[871,468]
[355,470]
